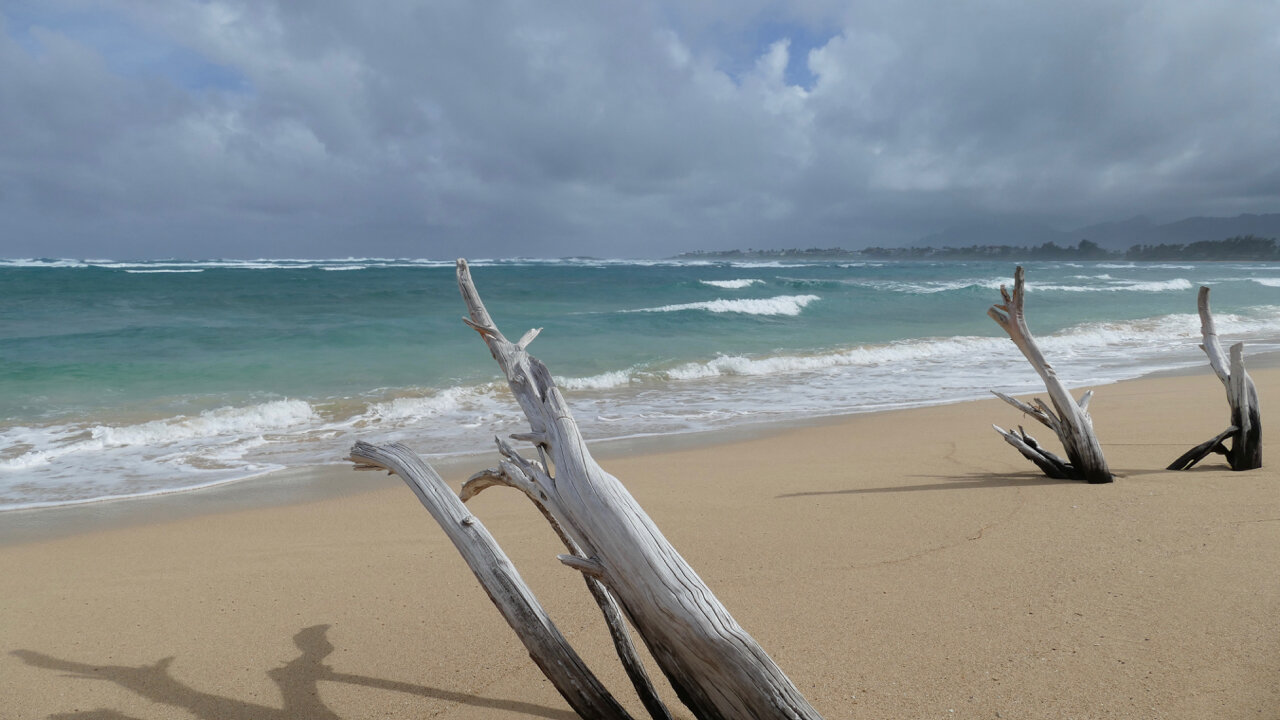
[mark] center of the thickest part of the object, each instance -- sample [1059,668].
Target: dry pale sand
[896,565]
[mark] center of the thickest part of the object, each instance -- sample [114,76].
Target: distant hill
[1207,228]
[1125,233]
[1119,235]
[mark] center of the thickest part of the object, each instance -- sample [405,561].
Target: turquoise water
[120,379]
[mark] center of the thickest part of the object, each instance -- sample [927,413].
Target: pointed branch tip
[586,566]
[1084,400]
[527,338]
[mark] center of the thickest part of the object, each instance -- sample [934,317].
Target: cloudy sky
[334,128]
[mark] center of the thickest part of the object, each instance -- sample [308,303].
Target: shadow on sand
[298,681]
[949,482]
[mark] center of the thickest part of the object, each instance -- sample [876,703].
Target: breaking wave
[780,305]
[1121,286]
[732,284]
[212,428]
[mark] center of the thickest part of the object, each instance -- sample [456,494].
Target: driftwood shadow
[950,482]
[92,715]
[297,679]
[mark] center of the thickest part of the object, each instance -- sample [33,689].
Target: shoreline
[309,483]
[899,564]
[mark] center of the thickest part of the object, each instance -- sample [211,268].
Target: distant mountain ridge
[1118,235]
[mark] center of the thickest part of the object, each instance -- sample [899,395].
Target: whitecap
[1159,285]
[603,381]
[732,284]
[415,408]
[209,428]
[1120,286]
[763,264]
[779,305]
[930,350]
[227,421]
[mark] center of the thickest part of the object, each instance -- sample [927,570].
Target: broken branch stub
[1245,430]
[1068,419]
[717,669]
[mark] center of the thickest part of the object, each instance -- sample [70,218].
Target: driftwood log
[718,670]
[498,576]
[1068,419]
[1245,430]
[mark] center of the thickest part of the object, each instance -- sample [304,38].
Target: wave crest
[412,408]
[732,284]
[1121,286]
[779,305]
[227,425]
[275,415]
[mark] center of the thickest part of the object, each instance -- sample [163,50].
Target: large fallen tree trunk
[717,669]
[1068,419]
[1245,430]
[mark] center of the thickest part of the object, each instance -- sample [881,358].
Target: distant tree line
[1084,250]
[1243,247]
[782,253]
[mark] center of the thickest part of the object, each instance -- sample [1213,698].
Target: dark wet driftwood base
[1245,430]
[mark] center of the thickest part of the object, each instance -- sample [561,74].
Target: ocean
[123,379]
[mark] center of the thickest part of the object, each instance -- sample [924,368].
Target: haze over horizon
[329,129]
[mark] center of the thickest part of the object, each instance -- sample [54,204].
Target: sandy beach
[903,564]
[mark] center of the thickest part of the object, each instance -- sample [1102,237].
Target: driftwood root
[1068,419]
[1245,432]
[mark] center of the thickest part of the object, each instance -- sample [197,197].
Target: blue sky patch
[127,49]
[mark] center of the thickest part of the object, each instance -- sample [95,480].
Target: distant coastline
[1244,247]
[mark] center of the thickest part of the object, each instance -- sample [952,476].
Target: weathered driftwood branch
[716,668]
[546,645]
[1245,430]
[1068,419]
[516,472]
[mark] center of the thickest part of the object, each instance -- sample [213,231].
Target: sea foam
[416,408]
[732,284]
[209,428]
[1118,286]
[779,305]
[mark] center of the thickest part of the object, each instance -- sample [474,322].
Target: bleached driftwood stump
[1068,419]
[1245,430]
[718,670]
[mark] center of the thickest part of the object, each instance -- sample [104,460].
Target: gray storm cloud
[232,129]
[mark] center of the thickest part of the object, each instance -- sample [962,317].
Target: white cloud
[339,128]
